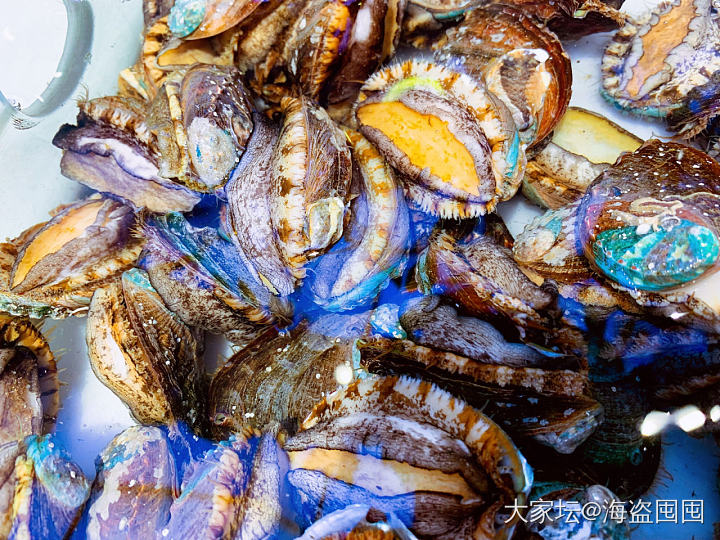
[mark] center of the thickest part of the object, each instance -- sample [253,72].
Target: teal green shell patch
[660,259]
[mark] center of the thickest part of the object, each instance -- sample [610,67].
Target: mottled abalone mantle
[145,354]
[148,487]
[52,268]
[375,245]
[296,369]
[653,63]
[530,393]
[419,450]
[486,149]
[520,60]
[310,176]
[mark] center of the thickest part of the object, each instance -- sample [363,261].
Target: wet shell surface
[204,279]
[310,174]
[414,449]
[328,49]
[134,486]
[247,220]
[28,381]
[520,60]
[297,369]
[53,268]
[531,395]
[232,491]
[144,353]
[653,63]
[197,19]
[201,120]
[649,224]
[453,143]
[396,352]
[375,245]
[50,491]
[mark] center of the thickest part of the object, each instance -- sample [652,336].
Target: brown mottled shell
[297,369]
[482,277]
[247,219]
[327,50]
[573,19]
[582,146]
[307,53]
[202,301]
[310,175]
[424,449]
[551,406]
[535,85]
[261,36]
[201,120]
[113,150]
[163,53]
[28,381]
[374,247]
[420,28]
[53,268]
[372,40]
[144,353]
[548,247]
[461,108]
[221,15]
[211,486]
[654,62]
[315,42]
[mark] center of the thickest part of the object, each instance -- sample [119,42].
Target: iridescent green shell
[666,257]
[186,16]
[650,222]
